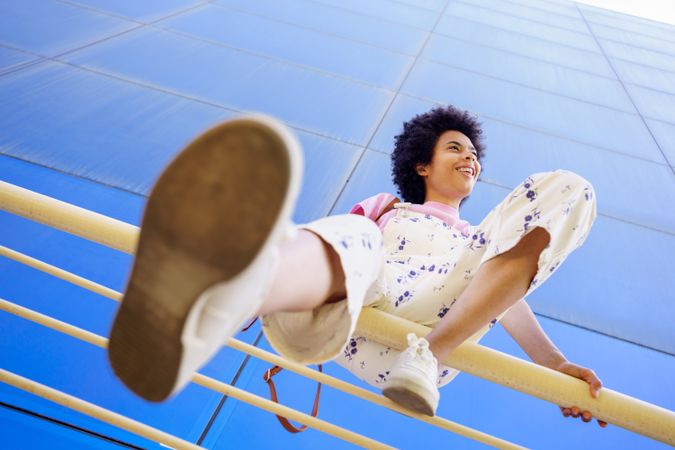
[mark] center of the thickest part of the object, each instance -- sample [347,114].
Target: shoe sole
[207,217]
[409,399]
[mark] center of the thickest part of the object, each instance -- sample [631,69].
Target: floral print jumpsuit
[417,267]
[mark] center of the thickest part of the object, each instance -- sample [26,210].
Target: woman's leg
[309,274]
[559,209]
[498,284]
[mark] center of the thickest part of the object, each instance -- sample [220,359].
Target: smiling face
[453,170]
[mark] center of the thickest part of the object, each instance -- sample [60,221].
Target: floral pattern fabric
[419,265]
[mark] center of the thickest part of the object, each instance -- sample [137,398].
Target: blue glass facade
[97,96]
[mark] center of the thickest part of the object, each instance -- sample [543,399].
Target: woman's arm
[521,323]
[524,328]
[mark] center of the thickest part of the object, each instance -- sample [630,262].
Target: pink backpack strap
[376,206]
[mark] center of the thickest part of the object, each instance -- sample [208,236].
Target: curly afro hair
[416,145]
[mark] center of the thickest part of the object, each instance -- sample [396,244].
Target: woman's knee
[571,179]
[566,184]
[527,250]
[536,240]
[573,193]
[349,237]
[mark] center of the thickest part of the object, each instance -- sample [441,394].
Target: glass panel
[532,12]
[299,45]
[340,22]
[655,104]
[537,110]
[645,76]
[463,11]
[326,104]
[388,10]
[528,72]
[51,28]
[522,44]
[144,11]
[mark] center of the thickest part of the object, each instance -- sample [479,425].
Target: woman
[217,247]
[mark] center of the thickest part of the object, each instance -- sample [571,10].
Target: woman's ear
[421,169]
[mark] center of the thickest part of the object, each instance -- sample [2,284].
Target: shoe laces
[419,348]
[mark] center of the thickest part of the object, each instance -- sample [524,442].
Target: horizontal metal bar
[95,411]
[202,380]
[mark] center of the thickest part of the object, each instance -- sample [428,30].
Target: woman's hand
[521,323]
[594,385]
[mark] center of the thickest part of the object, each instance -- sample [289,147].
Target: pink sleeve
[372,207]
[463,226]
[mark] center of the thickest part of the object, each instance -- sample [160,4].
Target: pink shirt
[372,208]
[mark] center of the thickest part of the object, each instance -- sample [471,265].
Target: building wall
[96,97]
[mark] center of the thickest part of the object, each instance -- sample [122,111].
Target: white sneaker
[412,379]
[207,252]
